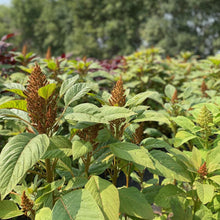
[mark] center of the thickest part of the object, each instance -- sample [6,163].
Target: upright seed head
[204,88]
[41,112]
[117,95]
[205,117]
[48,54]
[24,50]
[203,171]
[26,203]
[174,97]
[138,135]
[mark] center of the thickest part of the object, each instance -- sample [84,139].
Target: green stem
[49,171]
[88,158]
[115,174]
[206,139]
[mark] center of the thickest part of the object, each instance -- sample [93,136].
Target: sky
[5,2]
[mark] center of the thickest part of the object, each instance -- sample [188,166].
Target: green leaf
[169,91]
[133,153]
[51,65]
[139,98]
[168,167]
[87,112]
[59,147]
[216,179]
[182,137]
[165,195]
[46,91]
[8,209]
[14,86]
[19,155]
[133,203]
[78,205]
[150,192]
[113,112]
[18,92]
[76,182]
[15,104]
[196,158]
[15,114]
[203,214]
[80,148]
[67,84]
[106,196]
[184,123]
[150,143]
[76,92]
[177,205]
[44,214]
[150,115]
[45,190]
[205,192]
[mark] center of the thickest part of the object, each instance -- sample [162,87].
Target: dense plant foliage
[75,129]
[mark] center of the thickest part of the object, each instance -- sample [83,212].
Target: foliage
[73,128]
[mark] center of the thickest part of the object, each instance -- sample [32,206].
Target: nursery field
[134,137]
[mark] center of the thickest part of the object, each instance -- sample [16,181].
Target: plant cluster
[74,129]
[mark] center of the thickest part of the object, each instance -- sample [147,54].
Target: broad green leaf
[77,205]
[113,112]
[76,92]
[165,195]
[67,84]
[80,148]
[184,123]
[44,214]
[212,159]
[90,113]
[205,192]
[5,99]
[25,69]
[51,65]
[46,91]
[139,98]
[181,157]
[105,195]
[169,91]
[133,153]
[86,112]
[45,190]
[133,203]
[216,179]
[204,213]
[178,209]
[182,137]
[18,92]
[15,114]
[150,192]
[8,210]
[150,115]
[196,158]
[76,182]
[59,147]
[15,104]
[14,86]
[150,143]
[168,167]
[19,155]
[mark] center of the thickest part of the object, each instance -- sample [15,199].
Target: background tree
[5,20]
[106,28]
[183,25]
